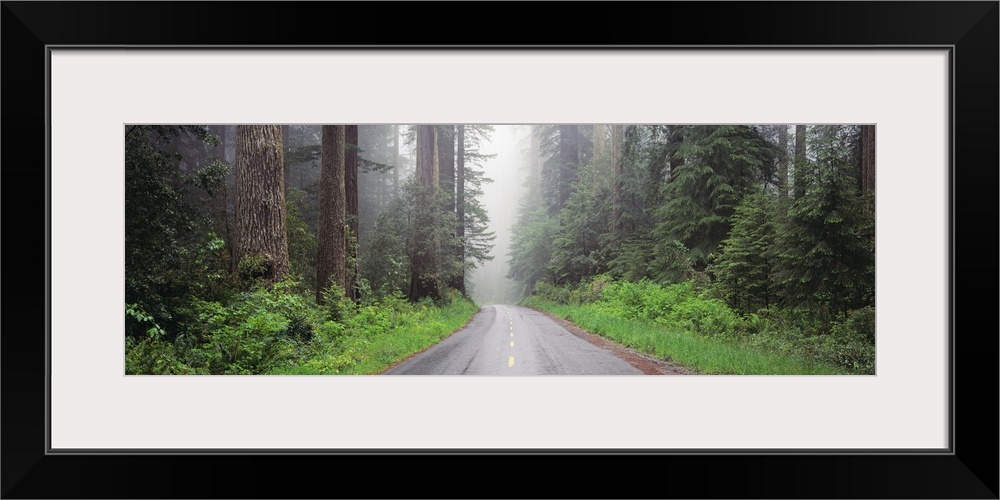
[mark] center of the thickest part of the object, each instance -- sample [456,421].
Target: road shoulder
[648,365]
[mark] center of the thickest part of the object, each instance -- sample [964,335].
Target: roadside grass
[700,353]
[379,337]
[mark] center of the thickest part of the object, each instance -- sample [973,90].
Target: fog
[489,284]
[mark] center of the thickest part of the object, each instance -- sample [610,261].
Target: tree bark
[867,159]
[800,161]
[569,136]
[427,174]
[598,140]
[286,148]
[446,162]
[617,135]
[535,164]
[459,282]
[395,162]
[331,261]
[351,194]
[260,202]
[423,263]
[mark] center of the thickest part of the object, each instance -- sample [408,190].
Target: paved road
[512,340]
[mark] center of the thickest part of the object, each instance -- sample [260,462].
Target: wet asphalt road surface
[512,340]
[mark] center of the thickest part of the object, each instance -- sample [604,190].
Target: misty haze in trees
[775,220]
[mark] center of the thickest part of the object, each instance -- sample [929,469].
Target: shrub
[548,291]
[253,346]
[336,304]
[256,331]
[251,270]
[152,356]
[683,305]
[139,323]
[704,316]
[850,351]
[862,321]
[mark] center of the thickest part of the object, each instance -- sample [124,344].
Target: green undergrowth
[280,330]
[379,337]
[685,324]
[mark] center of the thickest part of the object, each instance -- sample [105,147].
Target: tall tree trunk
[617,135]
[426,171]
[331,261]
[569,137]
[783,163]
[535,165]
[260,202]
[351,194]
[800,161]
[286,147]
[423,263]
[395,162]
[867,159]
[459,282]
[598,140]
[446,162]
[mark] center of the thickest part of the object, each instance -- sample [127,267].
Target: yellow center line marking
[512,343]
[510,362]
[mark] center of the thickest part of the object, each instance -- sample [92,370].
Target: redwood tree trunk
[423,263]
[395,162]
[331,261]
[569,136]
[459,282]
[617,134]
[446,163]
[286,143]
[260,202]
[351,194]
[535,175]
[598,140]
[867,159]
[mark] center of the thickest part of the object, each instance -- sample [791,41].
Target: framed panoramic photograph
[723,256]
[385,248]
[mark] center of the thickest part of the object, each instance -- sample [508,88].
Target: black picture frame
[970,470]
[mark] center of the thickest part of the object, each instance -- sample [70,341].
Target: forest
[344,249]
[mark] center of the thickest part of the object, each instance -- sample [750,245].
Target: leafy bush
[302,246]
[683,305]
[843,345]
[153,356]
[705,316]
[139,323]
[254,332]
[251,270]
[252,346]
[551,292]
[336,304]
[862,321]
[850,351]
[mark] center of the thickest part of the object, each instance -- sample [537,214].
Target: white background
[95,406]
